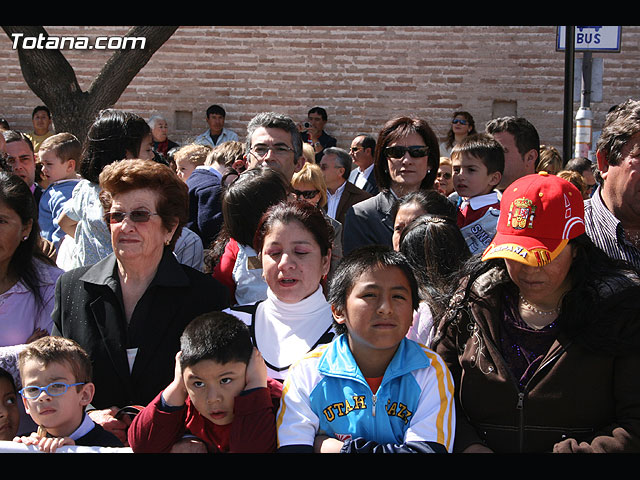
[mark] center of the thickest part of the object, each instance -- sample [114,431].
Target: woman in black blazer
[407,157]
[129,310]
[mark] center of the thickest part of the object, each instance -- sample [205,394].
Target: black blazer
[371,186]
[88,309]
[369,222]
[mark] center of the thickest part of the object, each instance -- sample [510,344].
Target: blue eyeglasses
[459,120]
[54,389]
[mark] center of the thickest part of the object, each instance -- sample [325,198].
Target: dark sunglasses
[415,151]
[306,193]
[137,216]
[460,121]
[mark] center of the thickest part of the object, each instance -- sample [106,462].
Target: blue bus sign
[592,38]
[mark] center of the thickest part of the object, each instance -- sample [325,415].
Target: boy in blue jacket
[371,389]
[59,155]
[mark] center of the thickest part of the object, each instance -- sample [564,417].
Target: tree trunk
[52,79]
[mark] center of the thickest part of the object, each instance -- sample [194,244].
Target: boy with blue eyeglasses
[56,378]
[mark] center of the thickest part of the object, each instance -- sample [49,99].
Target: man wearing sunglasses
[362,150]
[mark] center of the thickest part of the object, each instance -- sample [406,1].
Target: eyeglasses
[54,389]
[460,121]
[445,175]
[308,194]
[261,151]
[415,151]
[355,149]
[137,216]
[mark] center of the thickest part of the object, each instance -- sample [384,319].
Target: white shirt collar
[85,427]
[338,191]
[483,200]
[366,171]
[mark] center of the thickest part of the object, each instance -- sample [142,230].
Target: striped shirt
[606,231]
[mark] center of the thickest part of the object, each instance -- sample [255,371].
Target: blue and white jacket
[325,393]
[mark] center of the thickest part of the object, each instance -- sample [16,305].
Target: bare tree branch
[50,76]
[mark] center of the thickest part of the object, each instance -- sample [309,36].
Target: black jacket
[89,309]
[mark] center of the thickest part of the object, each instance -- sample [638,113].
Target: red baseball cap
[539,214]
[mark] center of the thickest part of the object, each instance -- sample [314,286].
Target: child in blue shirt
[59,155]
[371,389]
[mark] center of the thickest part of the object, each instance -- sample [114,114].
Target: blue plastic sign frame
[592,38]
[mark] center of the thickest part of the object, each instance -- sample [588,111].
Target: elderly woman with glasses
[129,309]
[406,159]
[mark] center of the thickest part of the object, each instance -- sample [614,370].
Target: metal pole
[569,58]
[584,117]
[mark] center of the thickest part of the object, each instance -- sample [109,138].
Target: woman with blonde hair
[308,185]
[550,160]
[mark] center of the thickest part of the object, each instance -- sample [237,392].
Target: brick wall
[362,75]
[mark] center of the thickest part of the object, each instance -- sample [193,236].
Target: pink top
[20,315]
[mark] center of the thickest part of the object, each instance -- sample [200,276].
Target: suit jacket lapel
[162,310]
[343,204]
[386,202]
[105,306]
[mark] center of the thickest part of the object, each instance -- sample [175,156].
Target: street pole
[569,58]
[584,117]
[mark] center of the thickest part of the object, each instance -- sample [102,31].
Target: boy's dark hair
[216,336]
[353,265]
[53,349]
[216,110]
[41,108]
[484,147]
[65,146]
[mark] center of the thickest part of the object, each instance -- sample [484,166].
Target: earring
[24,239]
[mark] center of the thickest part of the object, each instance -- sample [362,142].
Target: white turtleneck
[285,332]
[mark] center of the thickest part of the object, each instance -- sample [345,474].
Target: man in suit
[341,194]
[362,151]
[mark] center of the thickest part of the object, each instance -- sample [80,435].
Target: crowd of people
[474,293]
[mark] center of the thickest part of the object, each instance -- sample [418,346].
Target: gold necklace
[537,310]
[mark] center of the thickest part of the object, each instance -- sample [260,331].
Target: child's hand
[176,393]
[325,444]
[256,376]
[45,444]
